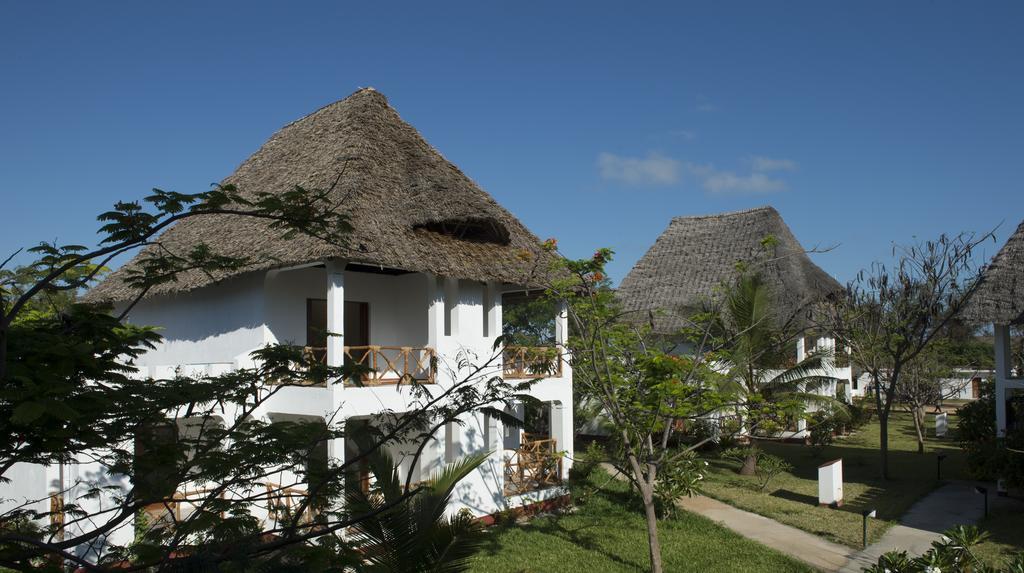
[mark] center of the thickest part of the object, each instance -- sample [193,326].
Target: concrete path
[955,503]
[796,543]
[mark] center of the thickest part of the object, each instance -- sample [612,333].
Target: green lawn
[792,498]
[1006,528]
[606,533]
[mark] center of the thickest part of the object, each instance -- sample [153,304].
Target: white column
[435,310]
[561,430]
[801,350]
[451,306]
[1002,344]
[335,313]
[562,337]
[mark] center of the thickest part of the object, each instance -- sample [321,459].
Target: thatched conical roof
[999,298]
[410,207]
[696,256]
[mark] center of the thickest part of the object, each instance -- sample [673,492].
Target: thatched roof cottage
[999,300]
[697,255]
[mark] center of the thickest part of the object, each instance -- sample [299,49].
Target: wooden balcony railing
[385,365]
[537,464]
[521,362]
[181,506]
[57,514]
[283,502]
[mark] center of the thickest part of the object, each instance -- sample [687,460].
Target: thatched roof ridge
[695,256]
[410,207]
[999,298]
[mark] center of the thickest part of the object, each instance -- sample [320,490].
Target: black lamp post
[983,491]
[938,465]
[866,514]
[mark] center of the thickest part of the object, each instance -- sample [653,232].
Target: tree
[197,459]
[921,384]
[756,344]
[645,393]
[890,315]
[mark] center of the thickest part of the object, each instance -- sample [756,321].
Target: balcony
[535,465]
[384,365]
[283,502]
[524,362]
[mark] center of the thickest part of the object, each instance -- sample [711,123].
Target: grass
[1005,528]
[607,533]
[791,498]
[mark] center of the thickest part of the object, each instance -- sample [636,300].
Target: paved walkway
[955,503]
[796,543]
[952,504]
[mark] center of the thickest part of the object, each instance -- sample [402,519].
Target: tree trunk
[919,427]
[883,442]
[647,494]
[749,464]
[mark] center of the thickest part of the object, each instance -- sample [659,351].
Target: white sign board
[830,483]
[941,425]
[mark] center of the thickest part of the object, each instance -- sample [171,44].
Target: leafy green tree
[69,392]
[644,393]
[756,344]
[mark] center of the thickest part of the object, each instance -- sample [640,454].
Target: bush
[769,466]
[677,479]
[986,458]
[953,554]
[823,428]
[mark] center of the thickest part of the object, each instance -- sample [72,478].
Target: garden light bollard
[938,465]
[866,514]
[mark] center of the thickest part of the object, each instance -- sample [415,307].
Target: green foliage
[528,321]
[987,458]
[766,467]
[822,427]
[408,531]
[678,477]
[69,390]
[769,466]
[756,344]
[955,553]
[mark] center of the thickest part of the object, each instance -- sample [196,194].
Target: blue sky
[863,123]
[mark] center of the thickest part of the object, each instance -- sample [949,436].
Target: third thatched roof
[696,256]
[411,208]
[999,298]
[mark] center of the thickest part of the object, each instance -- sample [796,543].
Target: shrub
[952,554]
[677,479]
[986,458]
[769,466]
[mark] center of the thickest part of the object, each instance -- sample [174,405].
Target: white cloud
[706,107]
[652,170]
[729,182]
[766,164]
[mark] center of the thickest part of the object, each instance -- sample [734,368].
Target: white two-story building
[417,288]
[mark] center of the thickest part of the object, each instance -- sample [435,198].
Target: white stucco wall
[213,324]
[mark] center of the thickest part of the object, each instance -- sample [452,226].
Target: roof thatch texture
[999,298]
[696,256]
[410,207]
